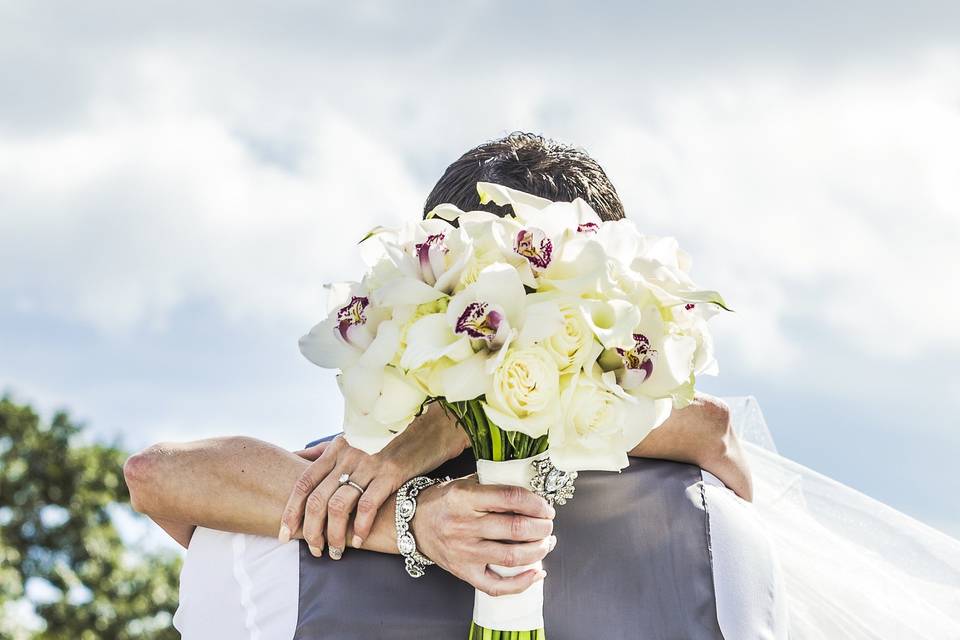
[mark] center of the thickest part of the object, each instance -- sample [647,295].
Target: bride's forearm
[233,484]
[701,434]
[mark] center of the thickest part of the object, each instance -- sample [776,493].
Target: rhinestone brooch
[553,485]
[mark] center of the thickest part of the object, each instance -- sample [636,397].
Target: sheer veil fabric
[853,567]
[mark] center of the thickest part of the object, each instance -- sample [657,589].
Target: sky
[178,181]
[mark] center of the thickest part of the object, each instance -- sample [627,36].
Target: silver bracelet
[406,507]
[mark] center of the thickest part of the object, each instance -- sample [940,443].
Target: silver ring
[344,479]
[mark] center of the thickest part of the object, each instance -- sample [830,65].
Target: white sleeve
[239,587]
[748,582]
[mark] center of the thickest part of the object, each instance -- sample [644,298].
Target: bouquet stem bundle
[490,442]
[479,633]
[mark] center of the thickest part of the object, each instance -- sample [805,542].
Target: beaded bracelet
[406,507]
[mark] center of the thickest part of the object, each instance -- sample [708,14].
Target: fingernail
[553,542]
[541,575]
[284,536]
[317,551]
[553,512]
[335,553]
[357,542]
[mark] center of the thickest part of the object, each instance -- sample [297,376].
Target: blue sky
[177,185]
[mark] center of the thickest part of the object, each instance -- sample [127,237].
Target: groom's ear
[530,163]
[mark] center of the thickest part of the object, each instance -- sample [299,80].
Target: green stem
[481,633]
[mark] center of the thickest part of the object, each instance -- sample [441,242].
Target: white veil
[854,567]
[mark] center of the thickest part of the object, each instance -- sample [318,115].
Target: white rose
[600,424]
[523,393]
[573,344]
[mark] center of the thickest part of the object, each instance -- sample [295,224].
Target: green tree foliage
[60,498]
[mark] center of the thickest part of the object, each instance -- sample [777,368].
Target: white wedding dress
[853,567]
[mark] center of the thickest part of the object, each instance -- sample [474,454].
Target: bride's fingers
[513,555]
[511,526]
[315,515]
[314,452]
[495,585]
[293,512]
[339,508]
[376,493]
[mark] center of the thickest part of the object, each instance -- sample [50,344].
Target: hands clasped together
[461,525]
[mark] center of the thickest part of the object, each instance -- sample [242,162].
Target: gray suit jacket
[633,560]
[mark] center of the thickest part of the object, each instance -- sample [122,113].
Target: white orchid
[557,239]
[479,324]
[658,363]
[361,341]
[417,264]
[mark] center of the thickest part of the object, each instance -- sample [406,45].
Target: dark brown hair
[531,163]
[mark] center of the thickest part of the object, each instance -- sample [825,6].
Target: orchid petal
[673,367]
[361,386]
[445,211]
[503,196]
[405,290]
[704,297]
[541,320]
[384,346]
[340,293]
[464,380]
[365,433]
[612,321]
[324,347]
[399,401]
[429,339]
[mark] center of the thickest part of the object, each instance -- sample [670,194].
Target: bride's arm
[702,434]
[699,434]
[221,483]
[241,485]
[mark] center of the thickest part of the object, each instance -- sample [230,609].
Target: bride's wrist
[422,524]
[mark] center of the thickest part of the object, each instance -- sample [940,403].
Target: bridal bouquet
[556,339]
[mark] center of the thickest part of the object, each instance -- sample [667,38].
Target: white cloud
[152,204]
[831,203]
[828,200]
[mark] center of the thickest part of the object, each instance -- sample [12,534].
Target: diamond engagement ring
[344,479]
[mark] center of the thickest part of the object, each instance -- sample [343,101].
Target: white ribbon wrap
[521,611]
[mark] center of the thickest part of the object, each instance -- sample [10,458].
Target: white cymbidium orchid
[351,325]
[557,239]
[371,427]
[479,324]
[492,239]
[612,320]
[692,319]
[659,363]
[600,423]
[361,340]
[427,259]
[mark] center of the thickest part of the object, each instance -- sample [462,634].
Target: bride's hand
[324,506]
[464,526]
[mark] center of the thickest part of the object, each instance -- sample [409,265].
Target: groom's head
[530,163]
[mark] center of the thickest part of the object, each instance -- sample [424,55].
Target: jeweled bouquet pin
[557,340]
